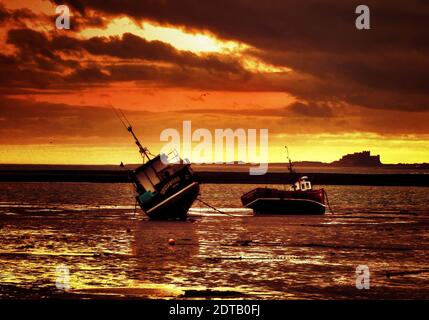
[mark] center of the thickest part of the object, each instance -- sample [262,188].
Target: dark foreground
[110,252]
[287,258]
[220,177]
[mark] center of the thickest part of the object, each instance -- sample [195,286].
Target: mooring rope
[135,207]
[327,201]
[211,207]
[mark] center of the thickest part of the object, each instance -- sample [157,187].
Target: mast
[291,171]
[144,152]
[290,168]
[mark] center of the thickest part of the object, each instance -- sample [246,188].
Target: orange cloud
[323,93]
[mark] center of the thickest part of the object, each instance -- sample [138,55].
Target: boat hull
[287,206]
[274,201]
[176,206]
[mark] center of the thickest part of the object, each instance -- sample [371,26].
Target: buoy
[171,242]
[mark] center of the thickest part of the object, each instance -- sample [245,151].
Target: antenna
[290,162]
[144,152]
[291,171]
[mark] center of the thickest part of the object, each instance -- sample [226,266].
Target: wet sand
[112,252]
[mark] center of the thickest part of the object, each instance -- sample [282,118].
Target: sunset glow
[178,38]
[308,88]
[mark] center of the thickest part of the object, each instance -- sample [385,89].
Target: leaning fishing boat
[300,199]
[165,190]
[165,185]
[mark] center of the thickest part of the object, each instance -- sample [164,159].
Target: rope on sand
[211,207]
[327,201]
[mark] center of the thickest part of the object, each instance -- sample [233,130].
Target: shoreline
[219,177]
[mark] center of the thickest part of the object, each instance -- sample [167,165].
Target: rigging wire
[119,117]
[144,152]
[126,119]
[135,207]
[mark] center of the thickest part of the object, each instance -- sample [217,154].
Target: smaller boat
[300,199]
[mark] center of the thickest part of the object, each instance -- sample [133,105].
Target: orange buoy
[171,242]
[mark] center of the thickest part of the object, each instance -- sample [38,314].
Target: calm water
[110,249]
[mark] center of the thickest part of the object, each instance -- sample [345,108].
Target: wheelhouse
[303,184]
[153,173]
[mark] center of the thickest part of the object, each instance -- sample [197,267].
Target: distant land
[357,159]
[360,168]
[362,159]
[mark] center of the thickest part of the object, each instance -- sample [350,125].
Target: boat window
[165,170]
[145,182]
[159,166]
[153,177]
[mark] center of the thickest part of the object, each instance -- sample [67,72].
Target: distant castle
[359,159]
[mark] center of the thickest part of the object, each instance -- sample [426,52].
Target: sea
[91,241]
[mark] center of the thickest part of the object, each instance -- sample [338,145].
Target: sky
[300,69]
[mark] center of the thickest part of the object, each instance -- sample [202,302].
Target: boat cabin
[151,174]
[303,184]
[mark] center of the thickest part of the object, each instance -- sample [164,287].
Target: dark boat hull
[275,201]
[287,207]
[176,206]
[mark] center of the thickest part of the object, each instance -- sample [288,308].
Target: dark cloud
[40,62]
[296,109]
[315,118]
[30,41]
[38,122]
[327,25]
[90,20]
[311,110]
[133,47]
[261,111]
[17,17]
[16,73]
[385,67]
[163,76]
[25,121]
[128,46]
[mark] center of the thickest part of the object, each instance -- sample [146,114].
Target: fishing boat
[300,199]
[165,185]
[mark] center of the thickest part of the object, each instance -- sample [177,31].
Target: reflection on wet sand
[114,253]
[158,263]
